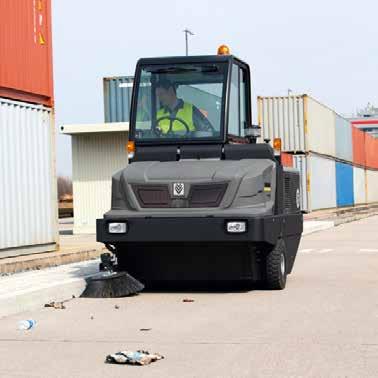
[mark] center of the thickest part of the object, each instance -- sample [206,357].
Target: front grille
[152,196]
[200,195]
[291,186]
[209,195]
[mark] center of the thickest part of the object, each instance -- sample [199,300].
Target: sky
[322,48]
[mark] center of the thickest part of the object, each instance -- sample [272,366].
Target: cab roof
[189,59]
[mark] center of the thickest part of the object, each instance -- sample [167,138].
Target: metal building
[98,151]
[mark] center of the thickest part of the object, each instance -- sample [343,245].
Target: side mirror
[252,131]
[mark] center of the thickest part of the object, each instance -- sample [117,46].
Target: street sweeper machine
[200,199]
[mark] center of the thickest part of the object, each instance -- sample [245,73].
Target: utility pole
[187,32]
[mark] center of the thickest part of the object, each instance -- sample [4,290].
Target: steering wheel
[172,119]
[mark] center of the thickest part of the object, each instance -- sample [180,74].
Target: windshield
[180,101]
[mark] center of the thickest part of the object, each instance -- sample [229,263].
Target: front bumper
[200,229]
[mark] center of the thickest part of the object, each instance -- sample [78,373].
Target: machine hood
[193,171]
[189,184]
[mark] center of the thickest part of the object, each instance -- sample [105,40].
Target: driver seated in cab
[177,115]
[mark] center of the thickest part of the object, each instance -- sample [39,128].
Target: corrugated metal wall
[96,157]
[344,184]
[326,183]
[300,163]
[336,160]
[359,185]
[117,98]
[371,151]
[298,121]
[320,127]
[322,182]
[318,181]
[283,117]
[28,199]
[344,145]
[358,137]
[372,185]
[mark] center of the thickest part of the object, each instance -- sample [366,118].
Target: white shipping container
[318,181]
[302,123]
[98,151]
[283,117]
[300,163]
[359,185]
[28,199]
[372,186]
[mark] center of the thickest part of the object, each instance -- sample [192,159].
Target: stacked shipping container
[28,202]
[117,98]
[26,51]
[338,162]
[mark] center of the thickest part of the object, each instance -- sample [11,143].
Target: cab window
[237,107]
[180,102]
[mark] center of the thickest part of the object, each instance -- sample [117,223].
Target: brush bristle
[112,286]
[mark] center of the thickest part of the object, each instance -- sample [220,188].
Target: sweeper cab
[200,199]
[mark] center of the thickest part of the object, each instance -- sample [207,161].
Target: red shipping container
[371,148]
[26,51]
[358,137]
[287,159]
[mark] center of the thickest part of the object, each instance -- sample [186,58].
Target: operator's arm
[201,123]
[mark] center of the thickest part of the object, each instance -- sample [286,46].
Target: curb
[353,218]
[309,227]
[315,226]
[32,290]
[47,260]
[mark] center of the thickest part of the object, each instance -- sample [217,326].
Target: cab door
[239,105]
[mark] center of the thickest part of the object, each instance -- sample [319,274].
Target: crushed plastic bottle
[25,325]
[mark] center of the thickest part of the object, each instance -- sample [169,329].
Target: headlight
[237,227]
[117,228]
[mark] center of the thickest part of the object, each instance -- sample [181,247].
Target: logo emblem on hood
[178,189]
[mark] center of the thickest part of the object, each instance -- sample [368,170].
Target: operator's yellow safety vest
[185,113]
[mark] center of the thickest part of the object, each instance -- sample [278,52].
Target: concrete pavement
[323,325]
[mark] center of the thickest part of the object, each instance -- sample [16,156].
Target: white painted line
[325,250]
[308,250]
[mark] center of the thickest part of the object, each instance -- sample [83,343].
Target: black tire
[276,267]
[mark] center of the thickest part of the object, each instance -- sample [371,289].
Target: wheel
[276,267]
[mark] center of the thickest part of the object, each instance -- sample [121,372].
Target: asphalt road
[325,324]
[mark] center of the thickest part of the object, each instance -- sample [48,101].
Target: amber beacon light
[130,149]
[277,146]
[223,50]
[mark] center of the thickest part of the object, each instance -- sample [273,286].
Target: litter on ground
[56,305]
[140,357]
[188,300]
